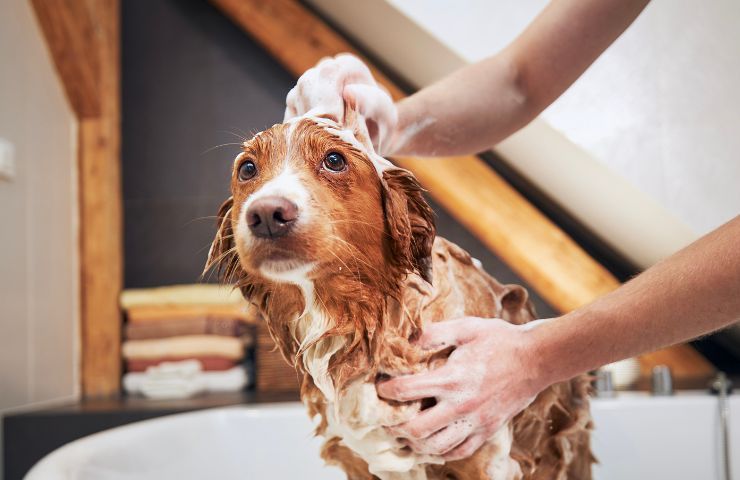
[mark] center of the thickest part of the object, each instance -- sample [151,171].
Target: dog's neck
[340,327]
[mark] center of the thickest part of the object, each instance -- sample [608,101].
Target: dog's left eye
[335,162]
[247,170]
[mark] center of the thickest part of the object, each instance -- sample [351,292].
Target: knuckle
[467,406]
[416,432]
[448,444]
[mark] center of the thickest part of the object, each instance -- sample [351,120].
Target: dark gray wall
[189,78]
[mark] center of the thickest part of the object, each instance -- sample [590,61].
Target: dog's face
[309,202]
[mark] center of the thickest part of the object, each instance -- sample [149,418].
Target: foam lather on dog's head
[320,94]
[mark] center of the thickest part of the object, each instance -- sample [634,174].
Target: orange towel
[211,325]
[185,346]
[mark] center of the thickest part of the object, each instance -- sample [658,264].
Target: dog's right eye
[247,170]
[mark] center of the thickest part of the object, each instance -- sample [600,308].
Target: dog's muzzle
[271,217]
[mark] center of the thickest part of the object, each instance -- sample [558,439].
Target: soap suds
[502,466]
[359,418]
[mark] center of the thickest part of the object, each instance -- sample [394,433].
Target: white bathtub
[636,437]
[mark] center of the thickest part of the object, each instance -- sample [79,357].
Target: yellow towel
[199,294]
[185,346]
[158,313]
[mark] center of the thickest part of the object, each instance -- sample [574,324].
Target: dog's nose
[271,217]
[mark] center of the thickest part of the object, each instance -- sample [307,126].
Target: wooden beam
[505,222]
[83,39]
[539,251]
[70,34]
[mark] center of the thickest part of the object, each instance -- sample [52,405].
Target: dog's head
[310,201]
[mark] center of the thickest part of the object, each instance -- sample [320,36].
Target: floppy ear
[409,222]
[516,307]
[222,255]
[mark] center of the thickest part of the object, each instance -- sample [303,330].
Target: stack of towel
[183,340]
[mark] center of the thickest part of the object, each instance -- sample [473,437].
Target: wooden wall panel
[83,38]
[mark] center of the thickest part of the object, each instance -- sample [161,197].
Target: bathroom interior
[127,115]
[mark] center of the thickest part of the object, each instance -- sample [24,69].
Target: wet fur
[381,275]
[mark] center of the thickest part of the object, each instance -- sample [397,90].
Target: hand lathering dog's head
[311,201]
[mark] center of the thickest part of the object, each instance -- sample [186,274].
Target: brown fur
[381,275]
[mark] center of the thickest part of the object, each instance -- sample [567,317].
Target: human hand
[487,380]
[325,88]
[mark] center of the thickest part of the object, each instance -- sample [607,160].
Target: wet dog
[337,249]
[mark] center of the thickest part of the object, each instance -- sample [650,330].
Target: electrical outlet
[7,160]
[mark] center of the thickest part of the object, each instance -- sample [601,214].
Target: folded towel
[229,327]
[199,294]
[207,363]
[186,346]
[183,379]
[163,313]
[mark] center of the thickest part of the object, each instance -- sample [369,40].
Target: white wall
[39,293]
[643,148]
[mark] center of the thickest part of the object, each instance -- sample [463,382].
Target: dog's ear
[222,255]
[409,222]
[516,307]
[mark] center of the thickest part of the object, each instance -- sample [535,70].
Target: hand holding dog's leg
[486,381]
[498,368]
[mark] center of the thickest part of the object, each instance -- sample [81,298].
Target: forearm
[481,104]
[466,112]
[692,293]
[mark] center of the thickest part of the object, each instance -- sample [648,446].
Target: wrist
[540,345]
[410,135]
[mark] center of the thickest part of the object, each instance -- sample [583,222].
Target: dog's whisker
[355,253]
[358,222]
[356,274]
[200,219]
[241,135]
[220,146]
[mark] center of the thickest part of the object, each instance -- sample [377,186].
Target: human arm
[481,104]
[498,368]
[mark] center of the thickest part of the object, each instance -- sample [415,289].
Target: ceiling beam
[71,36]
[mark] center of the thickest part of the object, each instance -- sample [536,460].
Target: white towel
[182,380]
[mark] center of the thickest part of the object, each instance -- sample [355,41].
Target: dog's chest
[358,418]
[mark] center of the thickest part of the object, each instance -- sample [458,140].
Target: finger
[374,104]
[371,102]
[414,387]
[445,440]
[290,104]
[448,333]
[355,69]
[426,422]
[466,449]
